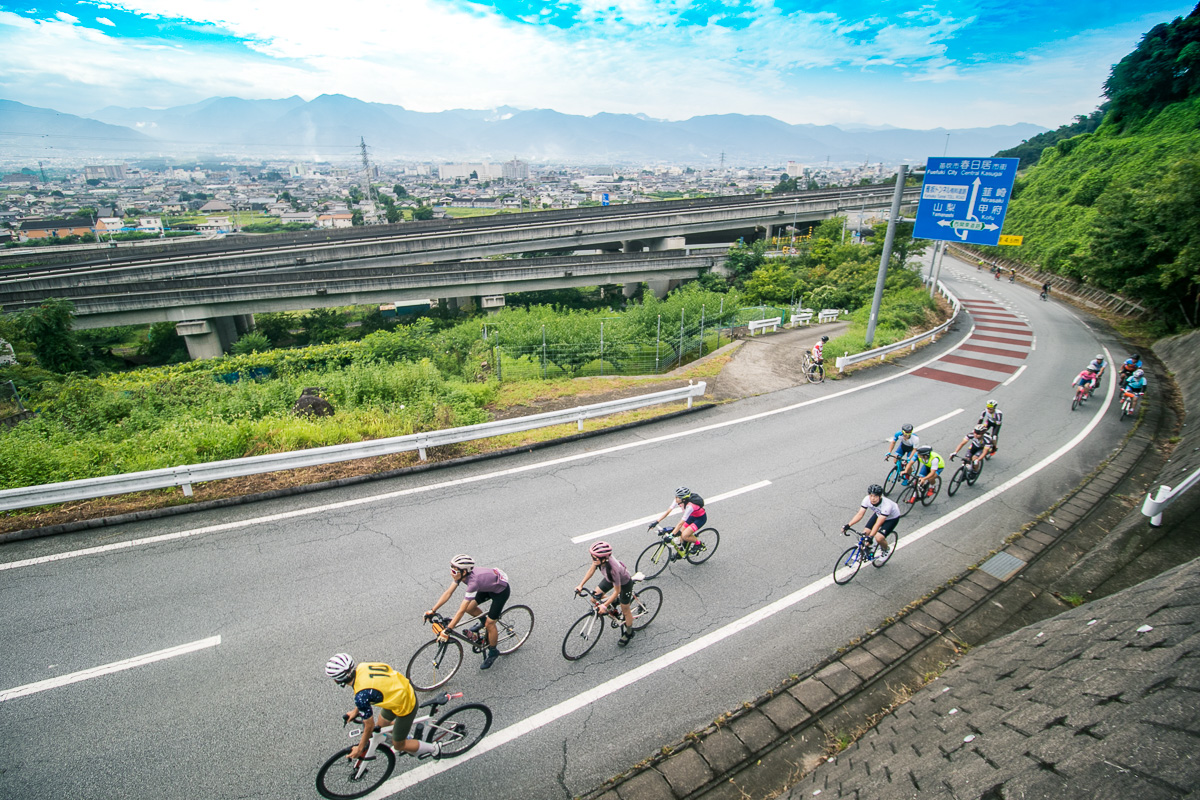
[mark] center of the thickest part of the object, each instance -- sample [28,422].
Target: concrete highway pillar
[660,288]
[668,243]
[201,338]
[244,324]
[630,289]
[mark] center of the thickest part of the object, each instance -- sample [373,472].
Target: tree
[743,259]
[1163,69]
[49,328]
[423,212]
[393,213]
[400,191]
[356,217]
[786,184]
[773,282]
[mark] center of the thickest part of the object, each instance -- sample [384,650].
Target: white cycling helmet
[463,562]
[1139,373]
[340,668]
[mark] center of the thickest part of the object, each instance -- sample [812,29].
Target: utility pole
[366,166]
[887,253]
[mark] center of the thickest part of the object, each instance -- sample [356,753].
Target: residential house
[215,207]
[335,220]
[302,217]
[55,228]
[215,225]
[150,225]
[109,225]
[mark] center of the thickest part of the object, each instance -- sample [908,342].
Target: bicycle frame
[381,736]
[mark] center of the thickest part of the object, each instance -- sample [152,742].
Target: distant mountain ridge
[230,124]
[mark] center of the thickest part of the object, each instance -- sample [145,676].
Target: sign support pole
[897,197]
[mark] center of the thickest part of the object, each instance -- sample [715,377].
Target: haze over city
[943,64]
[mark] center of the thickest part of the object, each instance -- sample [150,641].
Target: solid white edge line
[570,705]
[106,669]
[642,521]
[1015,375]
[303,512]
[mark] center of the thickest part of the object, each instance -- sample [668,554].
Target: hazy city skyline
[946,64]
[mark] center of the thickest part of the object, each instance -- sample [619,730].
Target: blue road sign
[965,199]
[604,199]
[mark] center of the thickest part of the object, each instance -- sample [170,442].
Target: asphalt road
[284,584]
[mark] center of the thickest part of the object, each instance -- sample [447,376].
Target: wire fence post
[702,330]
[657,345]
[543,352]
[680,360]
[602,348]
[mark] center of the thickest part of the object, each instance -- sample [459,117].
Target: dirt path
[770,362]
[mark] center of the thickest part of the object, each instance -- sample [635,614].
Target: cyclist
[694,518]
[616,578]
[1131,365]
[818,351]
[1097,366]
[992,417]
[1136,383]
[884,516]
[1012,275]
[483,585]
[929,464]
[1045,290]
[978,443]
[377,684]
[1087,379]
[904,441]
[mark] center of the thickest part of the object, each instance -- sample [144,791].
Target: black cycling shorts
[498,600]
[626,595]
[887,527]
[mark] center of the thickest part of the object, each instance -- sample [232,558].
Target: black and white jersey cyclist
[979,445]
[992,417]
[884,516]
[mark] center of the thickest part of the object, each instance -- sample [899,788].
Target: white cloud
[65,17]
[106,21]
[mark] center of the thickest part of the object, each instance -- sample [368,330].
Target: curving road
[284,584]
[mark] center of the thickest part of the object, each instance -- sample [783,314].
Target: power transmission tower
[366,166]
[43,171]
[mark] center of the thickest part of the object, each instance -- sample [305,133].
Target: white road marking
[304,512]
[929,424]
[560,710]
[1015,375]
[107,669]
[1033,344]
[644,520]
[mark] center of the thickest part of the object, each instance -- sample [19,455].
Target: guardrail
[51,493]
[911,342]
[1153,506]
[762,324]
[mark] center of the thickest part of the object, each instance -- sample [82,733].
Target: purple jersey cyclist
[616,578]
[483,585]
[694,518]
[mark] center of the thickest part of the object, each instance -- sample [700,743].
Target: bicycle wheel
[646,603]
[710,538]
[654,559]
[582,636]
[459,730]
[956,480]
[816,373]
[434,664]
[907,499]
[973,474]
[926,497]
[1075,402]
[847,566]
[338,778]
[892,478]
[882,558]
[513,628]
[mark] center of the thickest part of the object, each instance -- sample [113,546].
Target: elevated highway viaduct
[211,289]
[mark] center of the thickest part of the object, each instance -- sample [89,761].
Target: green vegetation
[1030,150]
[1119,208]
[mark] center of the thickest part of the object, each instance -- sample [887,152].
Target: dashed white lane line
[1015,375]
[624,526]
[556,712]
[108,669]
[930,424]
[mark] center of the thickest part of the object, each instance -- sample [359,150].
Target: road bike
[1129,401]
[865,549]
[655,558]
[1082,393]
[968,471]
[914,492]
[1045,294]
[813,372]
[456,731]
[436,661]
[582,636]
[897,471]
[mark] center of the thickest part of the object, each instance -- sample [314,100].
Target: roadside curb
[225,502]
[766,745]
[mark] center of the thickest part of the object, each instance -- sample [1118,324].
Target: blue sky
[966,63]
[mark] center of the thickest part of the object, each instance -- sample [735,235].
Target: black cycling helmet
[924,450]
[906,427]
[824,338]
[875,489]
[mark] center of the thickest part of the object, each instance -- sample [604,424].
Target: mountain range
[335,124]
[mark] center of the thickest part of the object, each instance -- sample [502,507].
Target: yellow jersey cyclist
[693,519]
[929,464]
[483,586]
[378,685]
[979,445]
[615,578]
[884,516]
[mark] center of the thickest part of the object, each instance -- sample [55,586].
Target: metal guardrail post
[1153,506]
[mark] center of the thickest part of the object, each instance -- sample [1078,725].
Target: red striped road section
[993,352]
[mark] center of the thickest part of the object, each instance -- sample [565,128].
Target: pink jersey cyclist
[694,516]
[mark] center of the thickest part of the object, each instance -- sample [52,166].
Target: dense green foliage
[1119,208]
[1030,150]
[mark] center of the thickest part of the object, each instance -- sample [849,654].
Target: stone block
[648,785]
[839,678]
[940,611]
[722,750]
[755,731]
[862,663]
[813,694]
[885,649]
[785,712]
[685,771]
[956,599]
[905,635]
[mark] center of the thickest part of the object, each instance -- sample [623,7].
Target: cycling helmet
[991,404]
[906,427]
[1135,357]
[981,428]
[924,450]
[824,338]
[600,549]
[1139,373]
[875,489]
[340,668]
[1099,356]
[462,562]
[683,492]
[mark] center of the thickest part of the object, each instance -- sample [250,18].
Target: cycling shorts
[694,524]
[626,595]
[498,600]
[924,470]
[400,725]
[887,527]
